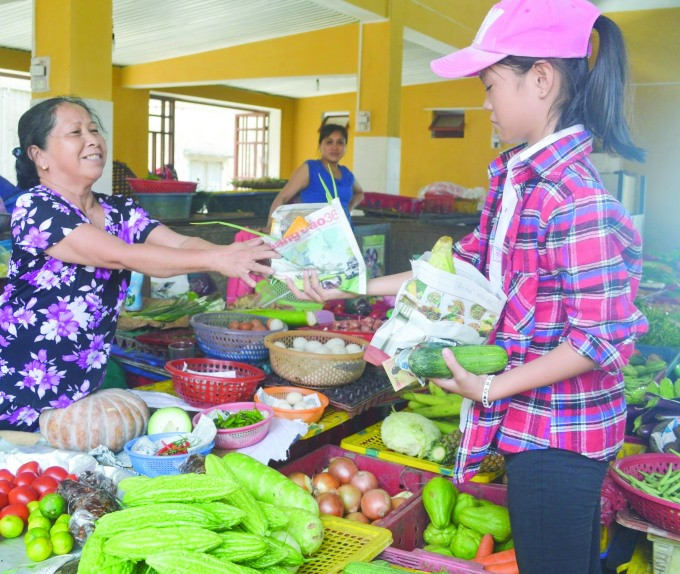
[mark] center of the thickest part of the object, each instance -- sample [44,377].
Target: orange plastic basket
[202,389]
[305,415]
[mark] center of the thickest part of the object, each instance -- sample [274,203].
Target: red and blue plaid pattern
[572,262]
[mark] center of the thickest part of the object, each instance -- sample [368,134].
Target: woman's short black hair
[34,127]
[327,129]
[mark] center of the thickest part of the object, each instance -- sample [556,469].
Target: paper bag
[327,245]
[436,305]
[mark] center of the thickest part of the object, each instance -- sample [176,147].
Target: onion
[376,503]
[342,469]
[351,497]
[330,503]
[397,501]
[364,480]
[357,517]
[302,480]
[324,482]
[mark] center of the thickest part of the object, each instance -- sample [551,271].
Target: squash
[109,417]
[426,361]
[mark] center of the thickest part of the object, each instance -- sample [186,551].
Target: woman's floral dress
[57,320]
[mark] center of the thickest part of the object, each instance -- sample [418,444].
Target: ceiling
[151,30]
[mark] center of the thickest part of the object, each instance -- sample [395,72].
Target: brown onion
[343,469]
[364,480]
[376,503]
[324,482]
[302,480]
[330,503]
[397,501]
[351,497]
[358,517]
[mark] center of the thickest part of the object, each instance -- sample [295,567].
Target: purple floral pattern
[57,319]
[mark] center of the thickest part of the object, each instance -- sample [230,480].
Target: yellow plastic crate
[368,442]
[346,541]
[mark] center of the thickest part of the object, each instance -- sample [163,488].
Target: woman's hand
[463,382]
[241,259]
[313,291]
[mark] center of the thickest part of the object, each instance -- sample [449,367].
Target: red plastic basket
[659,512]
[240,437]
[389,203]
[161,185]
[201,389]
[392,477]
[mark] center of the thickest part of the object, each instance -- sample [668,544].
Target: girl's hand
[313,291]
[241,259]
[463,382]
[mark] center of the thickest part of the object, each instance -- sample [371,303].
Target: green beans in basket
[238,419]
[664,485]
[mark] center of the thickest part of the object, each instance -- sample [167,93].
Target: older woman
[73,250]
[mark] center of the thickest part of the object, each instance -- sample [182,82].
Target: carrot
[498,557]
[510,567]
[485,546]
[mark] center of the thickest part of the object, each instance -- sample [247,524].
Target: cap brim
[464,63]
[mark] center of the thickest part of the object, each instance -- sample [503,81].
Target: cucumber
[426,361]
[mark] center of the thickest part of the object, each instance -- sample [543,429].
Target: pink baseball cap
[534,28]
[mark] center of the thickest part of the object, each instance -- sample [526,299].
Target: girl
[568,258]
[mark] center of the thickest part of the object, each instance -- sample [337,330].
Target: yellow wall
[657,121]
[130,126]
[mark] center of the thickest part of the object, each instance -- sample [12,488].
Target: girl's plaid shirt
[572,262]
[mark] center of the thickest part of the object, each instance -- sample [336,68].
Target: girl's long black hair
[595,98]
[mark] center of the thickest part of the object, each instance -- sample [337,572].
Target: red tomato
[71,477]
[5,486]
[19,510]
[44,484]
[56,472]
[31,466]
[25,478]
[6,475]
[22,495]
[4,501]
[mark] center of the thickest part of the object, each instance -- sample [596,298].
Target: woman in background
[308,181]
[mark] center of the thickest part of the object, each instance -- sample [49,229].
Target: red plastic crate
[389,203]
[392,477]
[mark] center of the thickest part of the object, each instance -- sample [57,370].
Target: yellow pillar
[377,151]
[73,41]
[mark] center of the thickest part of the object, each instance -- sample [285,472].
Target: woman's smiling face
[333,147]
[76,150]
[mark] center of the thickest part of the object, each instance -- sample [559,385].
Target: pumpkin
[109,417]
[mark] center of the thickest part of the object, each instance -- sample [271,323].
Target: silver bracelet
[485,392]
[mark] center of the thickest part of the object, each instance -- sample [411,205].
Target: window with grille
[251,146]
[447,124]
[161,133]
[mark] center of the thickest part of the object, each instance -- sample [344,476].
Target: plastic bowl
[241,437]
[305,415]
[152,465]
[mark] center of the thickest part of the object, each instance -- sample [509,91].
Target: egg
[280,344]
[313,346]
[299,343]
[301,406]
[281,404]
[324,350]
[275,324]
[294,397]
[335,342]
[353,348]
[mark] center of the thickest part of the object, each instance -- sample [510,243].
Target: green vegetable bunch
[639,378]
[239,419]
[664,331]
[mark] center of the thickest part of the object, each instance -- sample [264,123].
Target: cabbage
[408,433]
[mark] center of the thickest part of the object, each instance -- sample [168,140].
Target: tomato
[71,477]
[5,486]
[25,478]
[44,484]
[19,510]
[22,495]
[6,475]
[31,466]
[4,501]
[56,472]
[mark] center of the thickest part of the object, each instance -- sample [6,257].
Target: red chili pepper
[179,446]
